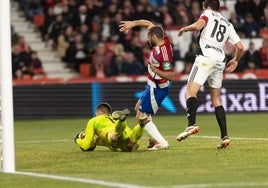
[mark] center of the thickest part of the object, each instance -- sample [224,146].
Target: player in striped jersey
[160,71]
[209,65]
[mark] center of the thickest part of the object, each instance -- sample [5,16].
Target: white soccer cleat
[224,143]
[187,132]
[159,146]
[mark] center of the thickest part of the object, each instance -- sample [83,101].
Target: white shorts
[207,69]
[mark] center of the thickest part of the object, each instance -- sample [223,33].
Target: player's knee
[143,119]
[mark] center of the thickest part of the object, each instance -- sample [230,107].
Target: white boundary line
[39,141]
[81,180]
[123,185]
[232,138]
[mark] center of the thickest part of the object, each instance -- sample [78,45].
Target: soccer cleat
[187,132]
[152,142]
[159,146]
[121,115]
[224,143]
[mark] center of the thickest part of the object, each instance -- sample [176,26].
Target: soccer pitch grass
[46,156]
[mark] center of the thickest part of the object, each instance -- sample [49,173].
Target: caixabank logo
[236,96]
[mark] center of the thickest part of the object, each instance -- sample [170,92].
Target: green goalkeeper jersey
[100,129]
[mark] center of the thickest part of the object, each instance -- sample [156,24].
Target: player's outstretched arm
[196,26]
[168,75]
[85,139]
[232,64]
[125,26]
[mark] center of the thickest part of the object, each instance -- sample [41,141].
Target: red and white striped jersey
[162,58]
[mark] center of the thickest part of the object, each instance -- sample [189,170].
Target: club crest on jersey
[167,65]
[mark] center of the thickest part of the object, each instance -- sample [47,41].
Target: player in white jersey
[209,65]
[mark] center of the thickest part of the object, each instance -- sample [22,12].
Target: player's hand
[231,65]
[79,135]
[181,31]
[125,26]
[152,67]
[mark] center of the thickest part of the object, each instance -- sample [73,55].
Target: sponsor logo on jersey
[167,65]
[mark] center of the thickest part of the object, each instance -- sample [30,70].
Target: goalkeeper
[109,130]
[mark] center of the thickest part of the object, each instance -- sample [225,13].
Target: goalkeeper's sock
[154,133]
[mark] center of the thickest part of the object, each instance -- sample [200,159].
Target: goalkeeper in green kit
[110,130]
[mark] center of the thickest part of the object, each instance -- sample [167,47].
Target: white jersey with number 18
[214,35]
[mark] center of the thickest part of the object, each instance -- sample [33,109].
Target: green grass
[47,147]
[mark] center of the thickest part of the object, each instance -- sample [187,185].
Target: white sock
[154,133]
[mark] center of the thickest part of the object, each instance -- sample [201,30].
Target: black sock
[221,119]
[192,106]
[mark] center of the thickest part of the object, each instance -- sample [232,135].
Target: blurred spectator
[140,12]
[20,62]
[49,19]
[252,57]
[57,7]
[34,7]
[242,7]
[167,18]
[238,25]
[181,15]
[195,11]
[118,59]
[190,57]
[153,14]
[78,52]
[56,28]
[64,41]
[116,35]
[251,28]
[96,21]
[35,65]
[73,7]
[128,14]
[132,66]
[84,32]
[101,61]
[14,36]
[81,17]
[67,16]
[21,4]
[266,14]
[135,46]
[258,12]
[264,54]
[106,31]
[93,42]
[112,10]
[23,47]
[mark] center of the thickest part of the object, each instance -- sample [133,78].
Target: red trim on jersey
[205,18]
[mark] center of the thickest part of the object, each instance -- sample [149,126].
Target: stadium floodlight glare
[7,119]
